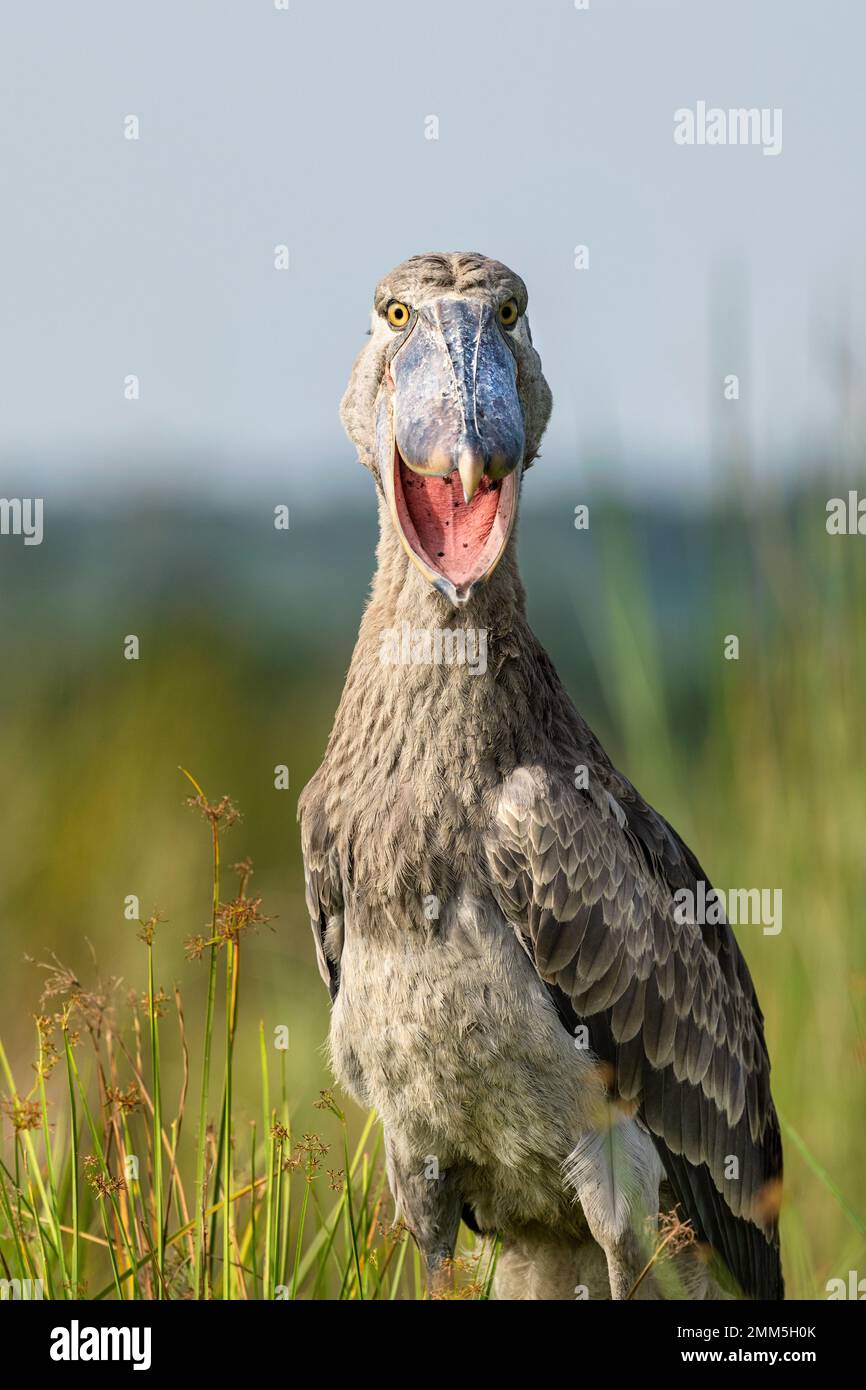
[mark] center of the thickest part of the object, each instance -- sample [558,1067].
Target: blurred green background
[245,634]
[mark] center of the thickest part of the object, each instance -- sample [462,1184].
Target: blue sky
[261,127]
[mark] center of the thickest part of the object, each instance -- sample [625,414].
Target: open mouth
[457,543]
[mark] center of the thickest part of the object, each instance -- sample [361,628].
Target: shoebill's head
[447,405]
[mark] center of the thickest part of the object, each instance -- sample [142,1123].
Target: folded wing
[587,878]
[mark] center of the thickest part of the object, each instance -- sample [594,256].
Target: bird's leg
[625,1262]
[615,1173]
[430,1202]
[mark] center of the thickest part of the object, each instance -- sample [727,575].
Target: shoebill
[557,1049]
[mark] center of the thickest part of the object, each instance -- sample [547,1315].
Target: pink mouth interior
[460,540]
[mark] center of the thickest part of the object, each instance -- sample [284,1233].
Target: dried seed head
[244,871]
[93,1005]
[220,813]
[239,916]
[160,999]
[126,1101]
[674,1233]
[101,1182]
[148,929]
[23,1114]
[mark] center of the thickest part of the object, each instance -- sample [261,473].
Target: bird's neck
[471,685]
[440,706]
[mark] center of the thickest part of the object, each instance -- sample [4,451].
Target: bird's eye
[398,314]
[509,313]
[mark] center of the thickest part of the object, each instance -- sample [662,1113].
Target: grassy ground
[149,1030]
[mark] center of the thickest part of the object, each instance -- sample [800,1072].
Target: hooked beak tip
[470,466]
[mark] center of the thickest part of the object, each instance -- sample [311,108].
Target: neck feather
[421,745]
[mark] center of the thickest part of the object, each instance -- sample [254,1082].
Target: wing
[323,889]
[587,878]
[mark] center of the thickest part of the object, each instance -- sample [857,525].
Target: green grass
[107,1210]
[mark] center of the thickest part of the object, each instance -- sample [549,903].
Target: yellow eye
[398,314]
[509,313]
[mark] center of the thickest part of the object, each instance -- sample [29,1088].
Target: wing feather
[323,892]
[588,881]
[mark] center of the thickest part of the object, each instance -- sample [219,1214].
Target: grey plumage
[472,906]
